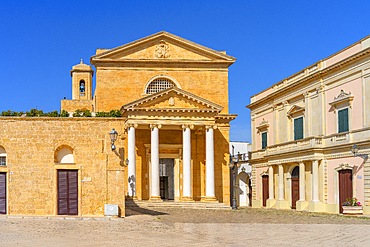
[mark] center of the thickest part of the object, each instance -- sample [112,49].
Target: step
[170,204]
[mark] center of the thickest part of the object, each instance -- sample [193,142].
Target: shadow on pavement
[133,209]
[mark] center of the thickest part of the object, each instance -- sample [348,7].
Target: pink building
[303,129]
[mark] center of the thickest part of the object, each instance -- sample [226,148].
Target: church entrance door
[166,179]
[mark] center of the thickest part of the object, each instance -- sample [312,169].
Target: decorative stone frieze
[162,50]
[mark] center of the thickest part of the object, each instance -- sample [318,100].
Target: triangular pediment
[172,100]
[295,110]
[162,47]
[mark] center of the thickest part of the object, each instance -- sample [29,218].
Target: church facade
[171,143]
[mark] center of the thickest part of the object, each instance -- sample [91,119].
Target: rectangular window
[3,161]
[343,120]
[264,140]
[298,128]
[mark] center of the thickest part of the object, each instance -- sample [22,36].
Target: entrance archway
[295,186]
[345,186]
[243,190]
[166,179]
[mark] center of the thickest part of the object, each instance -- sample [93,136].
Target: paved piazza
[189,227]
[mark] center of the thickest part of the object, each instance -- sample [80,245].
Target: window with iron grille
[264,140]
[298,128]
[2,160]
[343,120]
[158,85]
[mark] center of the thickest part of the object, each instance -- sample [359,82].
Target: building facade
[243,176]
[173,135]
[303,129]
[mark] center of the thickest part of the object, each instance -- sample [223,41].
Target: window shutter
[264,140]
[298,128]
[343,120]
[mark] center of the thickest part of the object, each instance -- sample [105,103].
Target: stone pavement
[189,227]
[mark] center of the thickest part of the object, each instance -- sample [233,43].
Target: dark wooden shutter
[264,140]
[68,192]
[265,189]
[2,193]
[343,120]
[345,187]
[298,128]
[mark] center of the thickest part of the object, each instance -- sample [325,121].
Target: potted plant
[352,206]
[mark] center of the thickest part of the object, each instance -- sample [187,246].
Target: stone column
[271,183]
[281,183]
[186,162]
[302,180]
[210,166]
[131,161]
[315,181]
[154,153]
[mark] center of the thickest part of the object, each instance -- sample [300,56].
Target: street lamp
[355,150]
[234,163]
[113,137]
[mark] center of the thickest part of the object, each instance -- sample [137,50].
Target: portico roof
[172,100]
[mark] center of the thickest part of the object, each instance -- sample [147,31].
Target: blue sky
[42,40]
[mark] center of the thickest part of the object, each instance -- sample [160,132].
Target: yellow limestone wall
[31,145]
[116,87]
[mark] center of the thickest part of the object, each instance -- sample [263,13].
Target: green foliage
[112,113]
[35,113]
[64,113]
[78,113]
[82,113]
[10,113]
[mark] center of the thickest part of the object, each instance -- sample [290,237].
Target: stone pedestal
[316,207]
[282,204]
[270,203]
[302,205]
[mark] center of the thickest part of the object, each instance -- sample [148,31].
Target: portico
[178,131]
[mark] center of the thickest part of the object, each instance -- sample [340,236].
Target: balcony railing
[355,136]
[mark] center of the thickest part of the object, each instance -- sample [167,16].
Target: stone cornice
[309,77]
[218,57]
[209,106]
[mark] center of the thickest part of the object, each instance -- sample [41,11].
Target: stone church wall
[31,146]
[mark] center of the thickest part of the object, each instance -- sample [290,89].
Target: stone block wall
[31,145]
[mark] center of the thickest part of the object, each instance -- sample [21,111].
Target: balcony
[331,141]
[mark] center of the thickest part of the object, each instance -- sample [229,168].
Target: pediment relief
[342,99]
[263,126]
[295,111]
[172,99]
[162,46]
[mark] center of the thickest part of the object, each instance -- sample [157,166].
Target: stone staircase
[172,204]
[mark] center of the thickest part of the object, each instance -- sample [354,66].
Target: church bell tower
[82,81]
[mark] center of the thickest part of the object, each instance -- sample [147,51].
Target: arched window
[64,155]
[295,172]
[2,156]
[158,85]
[82,86]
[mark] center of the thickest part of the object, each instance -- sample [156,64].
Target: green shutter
[264,140]
[298,128]
[343,120]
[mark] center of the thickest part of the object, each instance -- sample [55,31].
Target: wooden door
[265,189]
[295,192]
[295,186]
[68,192]
[2,192]
[345,187]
